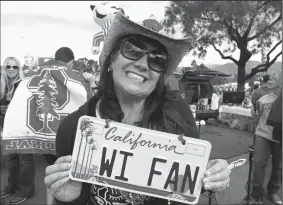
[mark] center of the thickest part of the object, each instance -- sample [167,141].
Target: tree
[47,101]
[200,67]
[88,133]
[90,142]
[250,26]
[194,64]
[86,128]
[93,148]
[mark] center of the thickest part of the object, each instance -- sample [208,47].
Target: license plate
[139,160]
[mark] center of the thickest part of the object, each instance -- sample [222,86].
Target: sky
[41,27]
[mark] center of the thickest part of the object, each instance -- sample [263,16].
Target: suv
[195,86]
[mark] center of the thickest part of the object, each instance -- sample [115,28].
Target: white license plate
[139,160]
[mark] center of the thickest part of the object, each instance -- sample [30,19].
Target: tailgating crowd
[21,167]
[265,99]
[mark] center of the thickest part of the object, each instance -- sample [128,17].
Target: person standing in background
[268,86]
[275,119]
[266,145]
[21,168]
[66,55]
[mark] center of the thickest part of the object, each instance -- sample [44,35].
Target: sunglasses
[134,49]
[14,67]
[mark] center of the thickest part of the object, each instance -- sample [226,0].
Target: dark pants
[263,149]
[21,177]
[277,135]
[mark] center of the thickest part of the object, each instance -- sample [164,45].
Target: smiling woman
[20,166]
[135,61]
[11,75]
[138,64]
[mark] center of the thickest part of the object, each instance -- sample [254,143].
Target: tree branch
[262,67]
[265,29]
[225,57]
[237,33]
[232,29]
[246,34]
[230,33]
[266,2]
[274,47]
[211,20]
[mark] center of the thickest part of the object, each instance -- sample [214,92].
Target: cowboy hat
[122,26]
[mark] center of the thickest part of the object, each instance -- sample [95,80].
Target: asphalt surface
[226,143]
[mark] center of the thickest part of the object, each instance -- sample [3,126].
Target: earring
[109,69]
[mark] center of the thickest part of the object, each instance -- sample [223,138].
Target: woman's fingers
[220,176]
[216,166]
[217,175]
[56,185]
[53,178]
[64,159]
[220,185]
[61,164]
[57,168]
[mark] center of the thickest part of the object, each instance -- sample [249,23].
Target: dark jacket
[66,137]
[4,101]
[275,118]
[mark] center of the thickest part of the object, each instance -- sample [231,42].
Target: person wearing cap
[135,62]
[66,55]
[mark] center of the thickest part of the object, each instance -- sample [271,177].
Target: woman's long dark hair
[164,109]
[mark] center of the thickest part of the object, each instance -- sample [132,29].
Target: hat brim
[122,26]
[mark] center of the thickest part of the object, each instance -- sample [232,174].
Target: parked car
[197,90]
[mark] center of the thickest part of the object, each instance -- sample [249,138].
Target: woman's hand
[217,175]
[58,182]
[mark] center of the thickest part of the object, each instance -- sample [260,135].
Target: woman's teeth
[135,76]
